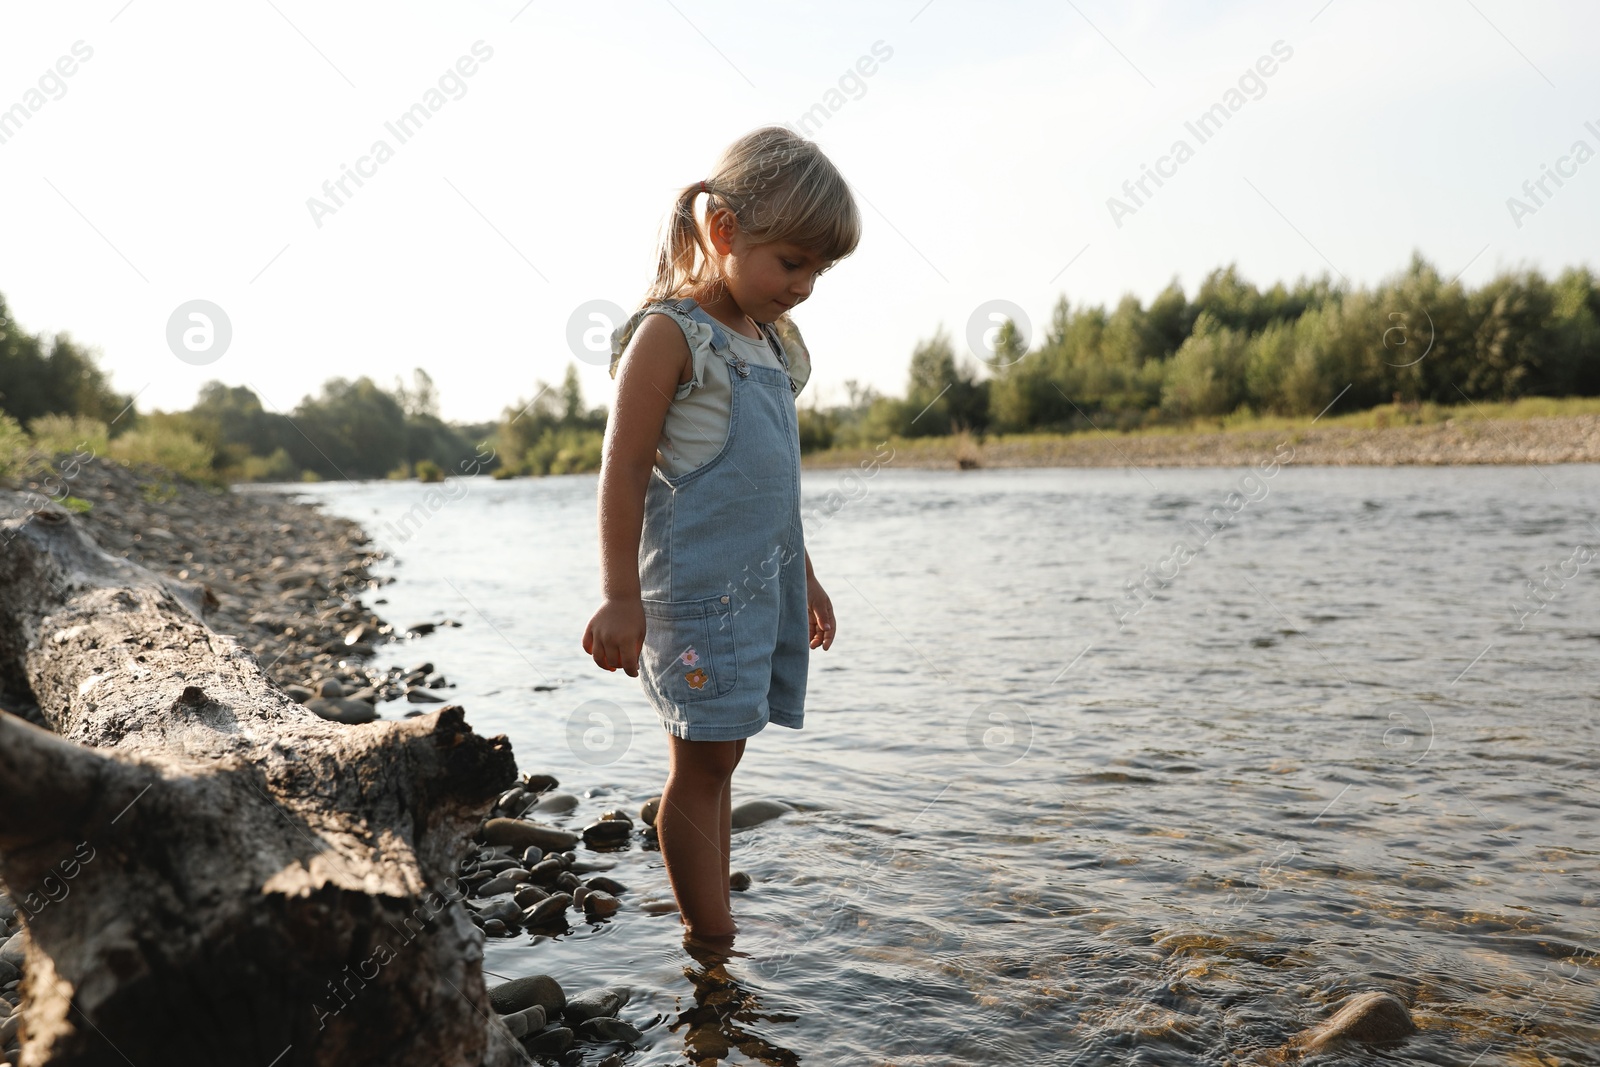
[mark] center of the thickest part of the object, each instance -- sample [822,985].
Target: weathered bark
[209,872]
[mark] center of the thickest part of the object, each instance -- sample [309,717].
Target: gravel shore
[1566,439]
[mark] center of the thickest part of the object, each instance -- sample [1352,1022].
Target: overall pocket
[689,650]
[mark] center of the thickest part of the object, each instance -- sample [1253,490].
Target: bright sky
[176,161]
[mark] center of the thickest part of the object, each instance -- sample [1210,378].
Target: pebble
[12,951]
[552,1042]
[604,1029]
[510,799]
[520,834]
[546,871]
[589,866]
[298,693]
[647,814]
[755,812]
[499,884]
[606,885]
[607,833]
[331,688]
[531,855]
[540,783]
[1374,1015]
[596,1003]
[8,1029]
[504,910]
[527,1021]
[598,904]
[578,895]
[551,909]
[556,803]
[616,816]
[343,709]
[739,881]
[528,896]
[520,993]
[568,881]
[495,928]
[9,972]
[418,695]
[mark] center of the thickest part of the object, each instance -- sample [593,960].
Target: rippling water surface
[1327,756]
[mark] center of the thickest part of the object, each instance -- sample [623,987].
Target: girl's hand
[820,611]
[615,635]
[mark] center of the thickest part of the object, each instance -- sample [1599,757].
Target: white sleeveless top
[696,425]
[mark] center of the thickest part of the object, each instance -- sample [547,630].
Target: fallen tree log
[208,872]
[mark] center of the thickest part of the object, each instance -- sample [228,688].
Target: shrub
[816,429]
[277,467]
[165,447]
[54,435]
[14,447]
[569,451]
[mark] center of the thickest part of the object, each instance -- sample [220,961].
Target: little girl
[709,595]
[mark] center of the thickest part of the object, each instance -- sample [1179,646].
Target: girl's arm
[656,360]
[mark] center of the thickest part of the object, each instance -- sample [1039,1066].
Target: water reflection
[723,1010]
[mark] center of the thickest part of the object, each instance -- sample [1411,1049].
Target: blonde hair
[780,187]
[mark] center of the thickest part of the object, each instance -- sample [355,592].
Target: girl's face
[767,279]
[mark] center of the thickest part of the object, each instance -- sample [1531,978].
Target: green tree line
[1235,349]
[1232,349]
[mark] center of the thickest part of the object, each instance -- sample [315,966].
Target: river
[1330,744]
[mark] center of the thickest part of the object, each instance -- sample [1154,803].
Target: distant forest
[1231,350]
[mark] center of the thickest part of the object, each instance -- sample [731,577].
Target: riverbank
[288,581]
[1457,440]
[283,577]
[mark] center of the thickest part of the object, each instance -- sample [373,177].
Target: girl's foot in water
[711,951]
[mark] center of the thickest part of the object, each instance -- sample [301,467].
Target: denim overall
[722,566]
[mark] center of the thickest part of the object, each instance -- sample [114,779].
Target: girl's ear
[723,226]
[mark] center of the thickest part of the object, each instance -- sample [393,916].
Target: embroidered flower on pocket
[696,678]
[690,657]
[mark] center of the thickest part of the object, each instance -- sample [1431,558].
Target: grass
[1385,416]
[1382,417]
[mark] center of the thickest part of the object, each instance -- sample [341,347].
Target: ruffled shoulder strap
[794,347]
[704,335]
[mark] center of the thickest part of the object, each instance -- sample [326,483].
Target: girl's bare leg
[693,829]
[726,826]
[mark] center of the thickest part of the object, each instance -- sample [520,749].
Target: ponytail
[683,262]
